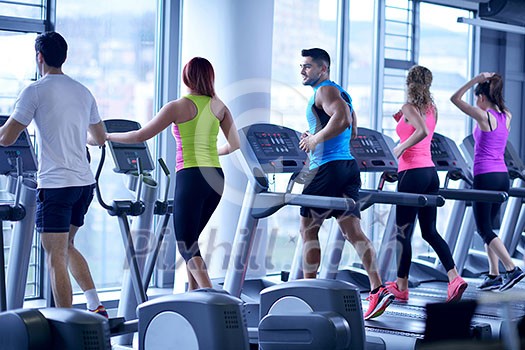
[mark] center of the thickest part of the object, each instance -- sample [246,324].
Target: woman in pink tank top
[490,172]
[417,174]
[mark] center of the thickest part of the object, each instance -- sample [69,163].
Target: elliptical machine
[203,319]
[73,329]
[51,328]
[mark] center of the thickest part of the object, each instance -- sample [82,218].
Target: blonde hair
[419,79]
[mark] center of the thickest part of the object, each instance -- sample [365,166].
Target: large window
[17,66]
[19,25]
[29,9]
[298,24]
[360,47]
[112,52]
[444,48]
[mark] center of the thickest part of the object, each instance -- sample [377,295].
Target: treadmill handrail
[474,195]
[319,201]
[518,192]
[369,197]
[267,203]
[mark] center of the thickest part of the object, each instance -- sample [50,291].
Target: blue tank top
[337,148]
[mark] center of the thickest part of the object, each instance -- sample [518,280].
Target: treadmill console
[22,148]
[274,147]
[372,151]
[125,155]
[446,155]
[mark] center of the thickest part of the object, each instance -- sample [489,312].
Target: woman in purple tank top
[490,172]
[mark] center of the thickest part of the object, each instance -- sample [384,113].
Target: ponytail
[496,91]
[493,90]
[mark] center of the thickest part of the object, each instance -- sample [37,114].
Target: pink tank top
[489,149]
[417,156]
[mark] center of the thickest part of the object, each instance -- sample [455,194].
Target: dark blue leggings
[198,191]
[485,213]
[423,181]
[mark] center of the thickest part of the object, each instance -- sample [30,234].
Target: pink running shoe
[401,295]
[455,289]
[378,302]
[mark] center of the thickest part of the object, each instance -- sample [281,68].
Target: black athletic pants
[422,181]
[197,194]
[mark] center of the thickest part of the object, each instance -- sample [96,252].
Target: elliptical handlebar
[97,176]
[129,207]
[141,178]
[166,171]
[19,181]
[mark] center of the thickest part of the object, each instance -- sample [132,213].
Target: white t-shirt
[62,110]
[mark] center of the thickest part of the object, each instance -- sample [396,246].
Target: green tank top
[197,138]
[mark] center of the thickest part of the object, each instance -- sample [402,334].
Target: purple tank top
[489,149]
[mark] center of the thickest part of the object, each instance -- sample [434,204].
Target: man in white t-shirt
[65,113]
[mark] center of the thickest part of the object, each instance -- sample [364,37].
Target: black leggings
[423,181]
[197,194]
[485,213]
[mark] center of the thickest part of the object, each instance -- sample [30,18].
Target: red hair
[198,75]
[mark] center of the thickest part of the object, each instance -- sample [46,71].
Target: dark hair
[53,47]
[318,55]
[419,79]
[199,76]
[493,90]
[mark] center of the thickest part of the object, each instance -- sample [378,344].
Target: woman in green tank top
[196,119]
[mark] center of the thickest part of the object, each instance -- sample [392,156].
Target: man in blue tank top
[334,173]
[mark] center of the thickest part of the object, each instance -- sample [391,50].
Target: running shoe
[101,310]
[455,289]
[401,295]
[491,283]
[378,302]
[510,278]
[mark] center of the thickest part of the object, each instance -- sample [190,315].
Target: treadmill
[267,149]
[447,157]
[371,150]
[402,325]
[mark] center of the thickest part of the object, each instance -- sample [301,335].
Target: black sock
[376,290]
[514,269]
[492,276]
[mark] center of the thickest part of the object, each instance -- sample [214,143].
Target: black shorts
[58,208]
[338,178]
